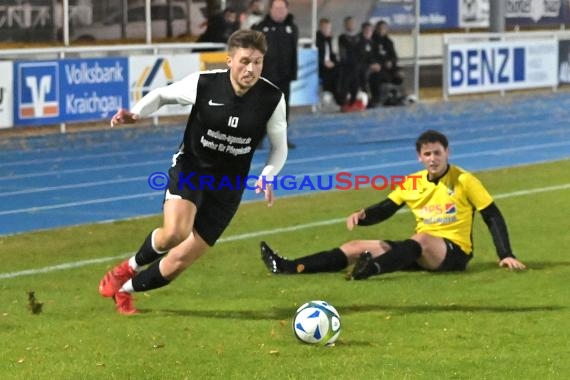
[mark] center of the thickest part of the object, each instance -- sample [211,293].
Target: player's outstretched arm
[374,214]
[182,92]
[498,229]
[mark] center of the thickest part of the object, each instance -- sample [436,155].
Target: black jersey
[224,129]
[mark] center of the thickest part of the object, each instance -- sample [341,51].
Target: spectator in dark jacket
[349,66]
[328,68]
[384,47]
[220,26]
[371,73]
[280,62]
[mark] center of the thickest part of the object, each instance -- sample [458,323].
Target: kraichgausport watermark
[338,181]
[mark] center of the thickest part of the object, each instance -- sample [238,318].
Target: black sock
[402,255]
[325,261]
[146,254]
[149,279]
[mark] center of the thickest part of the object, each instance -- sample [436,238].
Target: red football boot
[115,278]
[124,303]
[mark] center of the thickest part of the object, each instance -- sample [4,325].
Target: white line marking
[75,157]
[73,186]
[82,263]
[85,170]
[81,203]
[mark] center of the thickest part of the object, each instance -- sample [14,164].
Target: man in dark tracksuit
[280,62]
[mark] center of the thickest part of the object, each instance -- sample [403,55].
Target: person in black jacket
[370,69]
[386,51]
[220,26]
[328,63]
[280,62]
[349,66]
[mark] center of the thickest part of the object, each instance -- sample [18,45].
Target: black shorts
[216,207]
[455,258]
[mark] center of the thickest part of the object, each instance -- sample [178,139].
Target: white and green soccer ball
[317,322]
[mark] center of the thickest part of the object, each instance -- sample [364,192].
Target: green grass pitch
[227,318]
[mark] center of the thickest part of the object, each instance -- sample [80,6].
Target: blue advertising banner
[435,14]
[453,14]
[305,90]
[93,89]
[51,92]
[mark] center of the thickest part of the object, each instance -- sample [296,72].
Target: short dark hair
[247,39]
[324,20]
[272,1]
[431,136]
[347,19]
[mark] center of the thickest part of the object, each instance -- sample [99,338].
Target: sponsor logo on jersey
[214,104]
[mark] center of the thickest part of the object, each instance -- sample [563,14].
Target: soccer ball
[316,322]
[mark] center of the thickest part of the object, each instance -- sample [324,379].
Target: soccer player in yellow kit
[443,199]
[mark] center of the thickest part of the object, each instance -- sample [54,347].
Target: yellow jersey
[444,208]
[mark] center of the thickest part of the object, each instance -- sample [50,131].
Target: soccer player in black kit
[232,111]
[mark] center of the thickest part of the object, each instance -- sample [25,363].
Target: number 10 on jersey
[233,121]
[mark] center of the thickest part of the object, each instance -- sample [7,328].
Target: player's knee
[352,249]
[172,237]
[421,239]
[384,247]
[180,264]
[174,264]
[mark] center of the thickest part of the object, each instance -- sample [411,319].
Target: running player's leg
[163,271]
[179,217]
[215,212]
[181,202]
[178,221]
[182,256]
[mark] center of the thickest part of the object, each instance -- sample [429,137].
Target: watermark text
[339,181]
